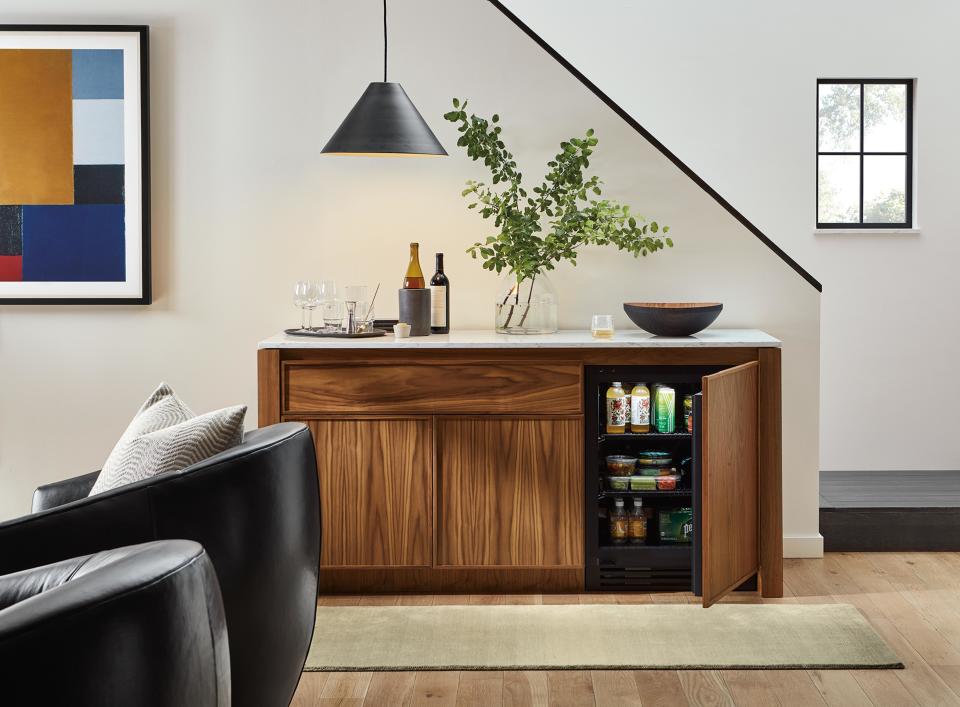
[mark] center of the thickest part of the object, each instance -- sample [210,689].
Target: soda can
[666,406]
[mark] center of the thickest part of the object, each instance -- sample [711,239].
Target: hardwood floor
[912,599]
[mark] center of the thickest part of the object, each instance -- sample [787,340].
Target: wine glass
[311,301]
[300,298]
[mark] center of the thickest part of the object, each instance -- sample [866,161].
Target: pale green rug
[656,636]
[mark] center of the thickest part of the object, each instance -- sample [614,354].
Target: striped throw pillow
[166,436]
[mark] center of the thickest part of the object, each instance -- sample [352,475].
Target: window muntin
[864,153]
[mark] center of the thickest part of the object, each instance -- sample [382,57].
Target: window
[864,153]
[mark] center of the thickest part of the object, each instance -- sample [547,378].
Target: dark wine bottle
[439,300]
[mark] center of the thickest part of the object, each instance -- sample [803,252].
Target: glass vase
[527,306]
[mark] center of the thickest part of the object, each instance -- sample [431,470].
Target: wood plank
[434,687]
[346,686]
[659,688]
[795,688]
[570,688]
[730,483]
[769,417]
[529,688]
[749,688]
[839,688]
[388,689]
[884,688]
[510,492]
[268,387]
[615,688]
[375,491]
[309,690]
[705,687]
[414,387]
[480,688]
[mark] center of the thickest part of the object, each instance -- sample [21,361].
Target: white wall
[244,96]
[731,88]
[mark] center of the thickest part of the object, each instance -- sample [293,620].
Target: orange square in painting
[36,126]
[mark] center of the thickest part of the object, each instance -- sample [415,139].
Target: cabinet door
[729,480]
[510,492]
[376,491]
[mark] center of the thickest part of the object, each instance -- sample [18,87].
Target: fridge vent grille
[640,578]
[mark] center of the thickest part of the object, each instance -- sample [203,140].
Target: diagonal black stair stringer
[683,167]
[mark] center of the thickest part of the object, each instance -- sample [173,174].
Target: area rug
[585,637]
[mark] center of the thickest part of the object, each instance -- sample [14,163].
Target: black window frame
[908,154]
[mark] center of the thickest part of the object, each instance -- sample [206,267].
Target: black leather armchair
[140,625]
[254,508]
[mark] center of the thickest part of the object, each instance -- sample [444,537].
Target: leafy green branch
[561,215]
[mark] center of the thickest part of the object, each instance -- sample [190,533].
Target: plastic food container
[658,471]
[643,483]
[666,483]
[654,458]
[618,483]
[621,464]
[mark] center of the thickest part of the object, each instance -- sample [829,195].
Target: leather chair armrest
[61,492]
[119,517]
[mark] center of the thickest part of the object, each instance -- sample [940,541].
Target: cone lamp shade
[384,122]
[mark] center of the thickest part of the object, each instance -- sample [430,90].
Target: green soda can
[666,406]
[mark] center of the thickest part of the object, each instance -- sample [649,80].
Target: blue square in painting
[82,243]
[97,73]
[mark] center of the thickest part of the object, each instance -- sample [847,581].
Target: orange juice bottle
[617,412]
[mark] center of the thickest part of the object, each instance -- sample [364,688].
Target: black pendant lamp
[384,122]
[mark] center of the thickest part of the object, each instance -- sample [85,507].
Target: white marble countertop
[566,338]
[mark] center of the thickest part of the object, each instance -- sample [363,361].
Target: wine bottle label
[438,305]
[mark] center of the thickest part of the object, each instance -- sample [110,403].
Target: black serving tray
[373,333]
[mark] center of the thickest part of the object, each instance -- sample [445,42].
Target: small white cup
[401,330]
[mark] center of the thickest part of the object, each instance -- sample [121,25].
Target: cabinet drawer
[527,387]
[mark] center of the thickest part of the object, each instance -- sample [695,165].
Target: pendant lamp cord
[384,41]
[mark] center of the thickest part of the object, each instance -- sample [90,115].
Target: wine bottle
[439,300]
[413,280]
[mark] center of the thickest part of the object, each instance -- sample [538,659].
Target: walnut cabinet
[462,470]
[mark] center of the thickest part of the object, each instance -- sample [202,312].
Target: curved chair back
[140,625]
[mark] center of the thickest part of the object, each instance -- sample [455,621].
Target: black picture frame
[146,292]
[907,154]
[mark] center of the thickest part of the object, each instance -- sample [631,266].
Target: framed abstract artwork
[74,164]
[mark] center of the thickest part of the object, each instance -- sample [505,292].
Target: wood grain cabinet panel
[376,492]
[510,492]
[730,480]
[432,388]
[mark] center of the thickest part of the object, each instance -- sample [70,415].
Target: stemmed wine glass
[306,295]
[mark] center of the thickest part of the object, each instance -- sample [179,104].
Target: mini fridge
[669,557]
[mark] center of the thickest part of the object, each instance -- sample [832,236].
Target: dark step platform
[872,511]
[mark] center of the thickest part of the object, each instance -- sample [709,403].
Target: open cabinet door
[730,542]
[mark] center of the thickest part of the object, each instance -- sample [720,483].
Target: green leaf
[495,118]
[590,132]
[456,102]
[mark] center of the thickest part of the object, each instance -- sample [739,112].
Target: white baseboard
[803,545]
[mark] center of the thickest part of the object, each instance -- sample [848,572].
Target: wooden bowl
[673,318]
